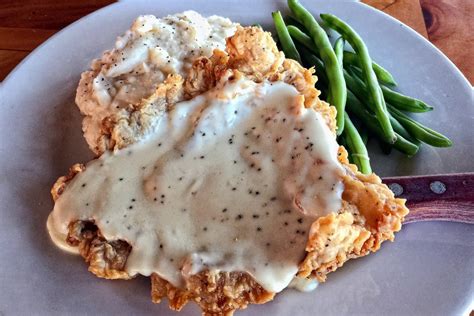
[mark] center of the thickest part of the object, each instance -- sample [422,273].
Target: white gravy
[143,57]
[230,181]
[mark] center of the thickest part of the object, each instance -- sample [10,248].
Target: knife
[448,197]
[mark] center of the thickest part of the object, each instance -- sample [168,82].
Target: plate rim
[313,3]
[81,20]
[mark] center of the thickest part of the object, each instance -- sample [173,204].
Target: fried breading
[370,214]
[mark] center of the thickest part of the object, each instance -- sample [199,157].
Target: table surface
[448,24]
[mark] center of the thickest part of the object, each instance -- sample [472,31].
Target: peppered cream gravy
[230,181]
[142,58]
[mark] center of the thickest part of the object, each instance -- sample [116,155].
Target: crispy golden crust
[370,214]
[106,259]
[216,293]
[60,184]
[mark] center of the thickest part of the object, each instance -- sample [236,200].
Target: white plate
[428,270]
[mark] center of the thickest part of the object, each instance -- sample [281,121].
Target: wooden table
[448,24]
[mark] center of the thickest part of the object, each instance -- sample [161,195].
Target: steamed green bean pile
[361,90]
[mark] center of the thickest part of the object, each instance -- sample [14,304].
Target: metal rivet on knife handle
[437,187]
[396,188]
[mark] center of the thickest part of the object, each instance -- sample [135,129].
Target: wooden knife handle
[436,197]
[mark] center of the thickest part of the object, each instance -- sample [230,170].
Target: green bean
[356,86]
[405,103]
[356,145]
[398,128]
[285,40]
[382,75]
[421,132]
[291,21]
[405,146]
[337,86]
[374,90]
[355,107]
[312,61]
[398,100]
[339,49]
[351,59]
[302,38]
